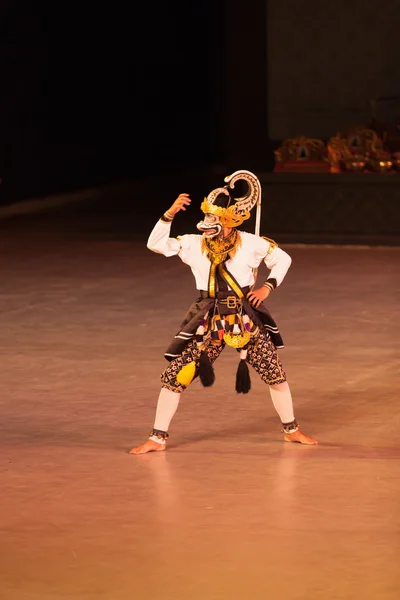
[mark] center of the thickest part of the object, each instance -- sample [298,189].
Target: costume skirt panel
[203,305]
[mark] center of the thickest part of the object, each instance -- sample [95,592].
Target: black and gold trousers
[262,355]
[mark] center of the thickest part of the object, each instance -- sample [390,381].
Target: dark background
[92,94]
[185,91]
[331,65]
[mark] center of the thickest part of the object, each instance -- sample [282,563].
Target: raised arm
[159,240]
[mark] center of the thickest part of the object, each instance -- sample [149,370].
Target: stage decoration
[355,149]
[382,162]
[356,163]
[358,149]
[301,155]
[396,160]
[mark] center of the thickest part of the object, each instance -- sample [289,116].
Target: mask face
[211,226]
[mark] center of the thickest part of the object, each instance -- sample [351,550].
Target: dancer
[228,311]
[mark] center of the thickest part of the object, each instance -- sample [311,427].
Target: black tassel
[243,383]
[206,371]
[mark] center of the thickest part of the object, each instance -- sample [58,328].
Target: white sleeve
[279,262]
[160,242]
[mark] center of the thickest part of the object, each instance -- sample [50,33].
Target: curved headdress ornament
[236,213]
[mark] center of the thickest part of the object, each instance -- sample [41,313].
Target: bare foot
[148,446]
[299,437]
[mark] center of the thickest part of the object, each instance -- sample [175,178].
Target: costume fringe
[206,371]
[243,382]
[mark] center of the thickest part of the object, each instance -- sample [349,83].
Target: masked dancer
[228,311]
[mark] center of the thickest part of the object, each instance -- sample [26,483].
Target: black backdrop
[93,94]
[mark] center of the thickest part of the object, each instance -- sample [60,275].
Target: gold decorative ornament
[300,148]
[218,249]
[381,164]
[301,154]
[338,153]
[353,148]
[231,302]
[356,163]
[272,244]
[227,216]
[237,340]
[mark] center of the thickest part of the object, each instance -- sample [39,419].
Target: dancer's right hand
[180,203]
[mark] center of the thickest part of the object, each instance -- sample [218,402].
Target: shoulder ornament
[272,244]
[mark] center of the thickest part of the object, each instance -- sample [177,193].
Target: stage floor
[230,511]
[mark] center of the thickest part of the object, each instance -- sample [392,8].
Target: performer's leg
[168,400]
[282,401]
[263,357]
[167,405]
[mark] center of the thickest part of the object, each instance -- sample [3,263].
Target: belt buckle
[231,302]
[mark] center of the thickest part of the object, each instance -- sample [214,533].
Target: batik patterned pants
[261,355]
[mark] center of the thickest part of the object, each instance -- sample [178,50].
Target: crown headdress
[235,214]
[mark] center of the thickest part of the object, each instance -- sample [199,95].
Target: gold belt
[230,301]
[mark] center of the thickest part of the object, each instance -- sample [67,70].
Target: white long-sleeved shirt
[248,256]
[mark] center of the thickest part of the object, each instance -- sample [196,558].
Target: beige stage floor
[229,512]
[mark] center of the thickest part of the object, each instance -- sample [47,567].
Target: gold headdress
[235,214]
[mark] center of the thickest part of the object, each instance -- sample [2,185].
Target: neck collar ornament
[218,249]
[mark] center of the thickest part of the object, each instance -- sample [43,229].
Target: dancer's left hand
[255,297]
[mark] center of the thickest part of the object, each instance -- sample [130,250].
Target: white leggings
[168,403]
